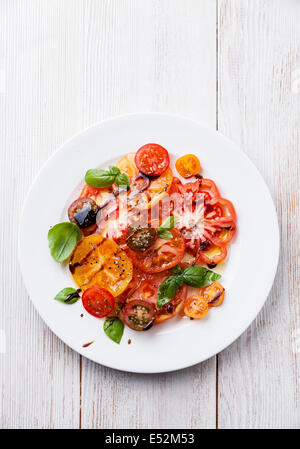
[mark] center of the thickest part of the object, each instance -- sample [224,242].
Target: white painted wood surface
[72,63]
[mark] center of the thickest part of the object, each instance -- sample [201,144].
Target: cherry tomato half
[97,301]
[213,255]
[196,306]
[224,236]
[214,294]
[139,315]
[188,165]
[164,254]
[152,159]
[83,212]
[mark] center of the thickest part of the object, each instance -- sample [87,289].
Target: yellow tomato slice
[159,187]
[99,261]
[188,165]
[127,165]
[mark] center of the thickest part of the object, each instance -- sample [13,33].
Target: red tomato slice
[208,187]
[213,255]
[144,287]
[164,254]
[152,159]
[173,307]
[97,301]
[223,236]
[225,209]
[89,192]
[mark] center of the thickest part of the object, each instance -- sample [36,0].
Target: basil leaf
[114,328]
[62,238]
[99,178]
[168,289]
[196,276]
[163,230]
[122,180]
[177,270]
[68,295]
[169,223]
[164,234]
[114,170]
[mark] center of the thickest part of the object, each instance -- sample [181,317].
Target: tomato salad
[142,241]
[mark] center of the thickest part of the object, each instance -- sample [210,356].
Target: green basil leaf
[62,238]
[164,234]
[99,178]
[168,289]
[196,276]
[68,295]
[122,180]
[177,270]
[112,170]
[114,328]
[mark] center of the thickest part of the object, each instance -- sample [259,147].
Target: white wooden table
[232,64]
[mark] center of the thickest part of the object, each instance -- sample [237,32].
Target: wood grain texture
[40,107]
[69,64]
[154,56]
[259,49]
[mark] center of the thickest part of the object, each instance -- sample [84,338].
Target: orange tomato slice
[99,261]
[214,294]
[127,165]
[196,306]
[188,165]
[159,187]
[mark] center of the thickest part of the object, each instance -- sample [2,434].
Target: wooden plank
[259,48]
[42,60]
[153,55]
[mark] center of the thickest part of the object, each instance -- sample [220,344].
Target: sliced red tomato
[208,187]
[225,211]
[205,186]
[97,301]
[144,287]
[174,307]
[175,186]
[164,254]
[89,192]
[152,159]
[213,255]
[139,315]
[224,236]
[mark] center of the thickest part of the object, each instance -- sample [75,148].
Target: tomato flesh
[152,159]
[139,315]
[196,306]
[163,255]
[214,294]
[97,301]
[188,165]
[213,255]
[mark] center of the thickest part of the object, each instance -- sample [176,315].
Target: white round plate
[247,277]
